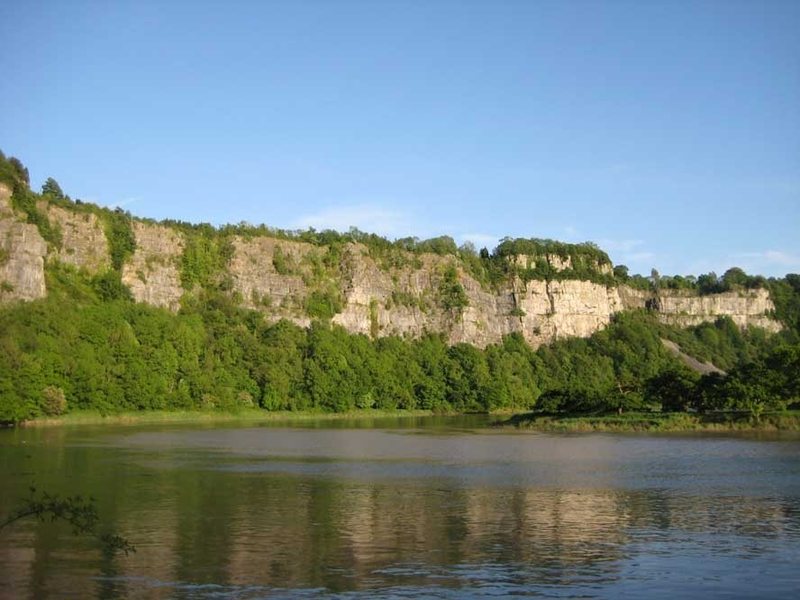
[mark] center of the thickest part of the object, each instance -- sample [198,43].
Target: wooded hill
[86,344]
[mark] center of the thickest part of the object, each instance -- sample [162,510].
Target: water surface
[420,507]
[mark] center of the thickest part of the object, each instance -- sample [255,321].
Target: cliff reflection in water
[244,522]
[289,533]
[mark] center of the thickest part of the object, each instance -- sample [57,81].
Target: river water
[404,508]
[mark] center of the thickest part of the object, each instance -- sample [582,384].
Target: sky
[667,132]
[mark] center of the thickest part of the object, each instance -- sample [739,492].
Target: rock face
[402,296]
[569,308]
[271,275]
[152,273]
[398,301]
[747,308]
[83,240]
[22,252]
[404,302]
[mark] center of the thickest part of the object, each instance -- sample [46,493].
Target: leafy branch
[79,512]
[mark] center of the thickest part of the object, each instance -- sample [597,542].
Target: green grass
[658,422]
[212,416]
[611,423]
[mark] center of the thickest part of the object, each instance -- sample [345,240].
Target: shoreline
[254,415]
[787,421]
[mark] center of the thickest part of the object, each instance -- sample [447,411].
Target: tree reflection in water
[216,519]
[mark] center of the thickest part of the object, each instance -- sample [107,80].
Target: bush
[109,286]
[452,296]
[323,304]
[121,240]
[54,402]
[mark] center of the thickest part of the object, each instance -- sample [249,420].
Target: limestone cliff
[83,240]
[22,252]
[372,296]
[404,302]
[152,273]
[748,308]
[271,275]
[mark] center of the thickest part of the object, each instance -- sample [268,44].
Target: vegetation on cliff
[85,348]
[209,249]
[88,346]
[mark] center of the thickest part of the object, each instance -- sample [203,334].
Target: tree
[20,170]
[734,277]
[621,273]
[451,292]
[109,286]
[54,401]
[673,389]
[468,248]
[708,283]
[655,279]
[51,188]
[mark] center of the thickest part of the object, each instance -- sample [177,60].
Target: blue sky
[667,132]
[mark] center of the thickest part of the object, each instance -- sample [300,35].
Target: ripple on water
[277,512]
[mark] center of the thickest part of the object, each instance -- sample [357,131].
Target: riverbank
[611,423]
[657,422]
[253,415]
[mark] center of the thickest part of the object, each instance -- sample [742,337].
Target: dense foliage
[87,346]
[785,294]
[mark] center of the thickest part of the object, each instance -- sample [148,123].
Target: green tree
[20,170]
[452,296]
[621,273]
[673,389]
[51,188]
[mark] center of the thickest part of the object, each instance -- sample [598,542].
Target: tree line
[83,347]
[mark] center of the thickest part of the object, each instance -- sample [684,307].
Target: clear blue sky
[667,132]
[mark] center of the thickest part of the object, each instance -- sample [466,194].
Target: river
[436,507]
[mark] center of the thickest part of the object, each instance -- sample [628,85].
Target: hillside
[105,311]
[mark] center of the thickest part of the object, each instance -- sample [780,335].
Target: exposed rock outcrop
[83,240]
[22,252]
[747,308]
[400,296]
[568,308]
[404,302]
[152,272]
[398,301]
[273,275]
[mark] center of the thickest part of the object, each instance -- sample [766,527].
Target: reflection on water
[272,512]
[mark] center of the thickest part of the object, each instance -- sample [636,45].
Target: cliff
[22,252]
[746,309]
[408,295]
[152,272]
[83,239]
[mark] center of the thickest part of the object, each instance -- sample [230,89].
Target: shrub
[54,402]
